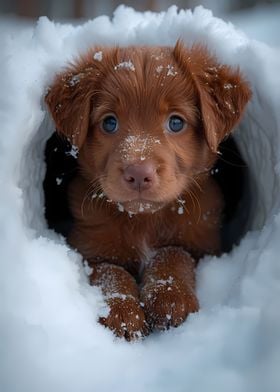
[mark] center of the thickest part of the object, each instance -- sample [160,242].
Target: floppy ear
[222,91]
[69,100]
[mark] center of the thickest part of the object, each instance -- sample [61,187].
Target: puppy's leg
[126,317]
[168,288]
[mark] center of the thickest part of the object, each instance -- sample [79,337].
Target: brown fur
[143,257]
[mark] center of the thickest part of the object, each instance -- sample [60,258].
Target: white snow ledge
[49,337]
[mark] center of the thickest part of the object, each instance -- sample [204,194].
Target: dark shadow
[232,175]
[61,167]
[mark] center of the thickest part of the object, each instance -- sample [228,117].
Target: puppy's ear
[223,93]
[69,101]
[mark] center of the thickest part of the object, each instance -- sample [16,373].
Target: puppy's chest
[142,238]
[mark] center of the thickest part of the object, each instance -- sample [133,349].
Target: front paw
[126,317]
[167,303]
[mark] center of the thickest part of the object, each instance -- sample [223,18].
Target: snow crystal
[180,210]
[158,57]
[214,171]
[131,213]
[228,86]
[74,80]
[58,107]
[159,68]
[125,65]
[140,146]
[120,207]
[165,282]
[73,152]
[120,296]
[98,55]
[171,70]
[230,107]
[58,180]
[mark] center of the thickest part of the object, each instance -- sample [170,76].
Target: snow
[171,70]
[74,149]
[58,180]
[141,145]
[125,65]
[180,210]
[120,207]
[49,336]
[98,55]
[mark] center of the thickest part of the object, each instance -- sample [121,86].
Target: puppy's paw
[126,318]
[167,304]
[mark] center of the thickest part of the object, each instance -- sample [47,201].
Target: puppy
[147,123]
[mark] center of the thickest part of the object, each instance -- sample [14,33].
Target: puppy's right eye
[176,124]
[110,124]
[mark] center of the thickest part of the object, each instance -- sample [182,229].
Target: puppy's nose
[139,176]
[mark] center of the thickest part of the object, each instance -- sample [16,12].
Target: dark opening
[60,170]
[230,172]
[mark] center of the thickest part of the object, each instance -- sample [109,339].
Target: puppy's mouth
[139,206]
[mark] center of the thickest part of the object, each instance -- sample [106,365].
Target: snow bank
[49,337]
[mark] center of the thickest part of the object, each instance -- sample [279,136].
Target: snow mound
[49,336]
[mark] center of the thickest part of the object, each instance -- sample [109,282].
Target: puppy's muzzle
[139,177]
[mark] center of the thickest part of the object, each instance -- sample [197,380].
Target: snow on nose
[137,147]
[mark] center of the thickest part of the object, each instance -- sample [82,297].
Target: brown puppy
[147,122]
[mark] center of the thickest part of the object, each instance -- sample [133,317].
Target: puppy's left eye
[176,124]
[110,124]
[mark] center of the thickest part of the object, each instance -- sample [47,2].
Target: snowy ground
[49,337]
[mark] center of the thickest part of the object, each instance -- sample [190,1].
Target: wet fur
[144,255]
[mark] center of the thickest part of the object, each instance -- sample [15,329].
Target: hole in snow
[61,167]
[232,174]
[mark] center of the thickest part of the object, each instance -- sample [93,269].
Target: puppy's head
[147,121]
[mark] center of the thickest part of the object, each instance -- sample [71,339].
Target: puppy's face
[145,125]
[143,144]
